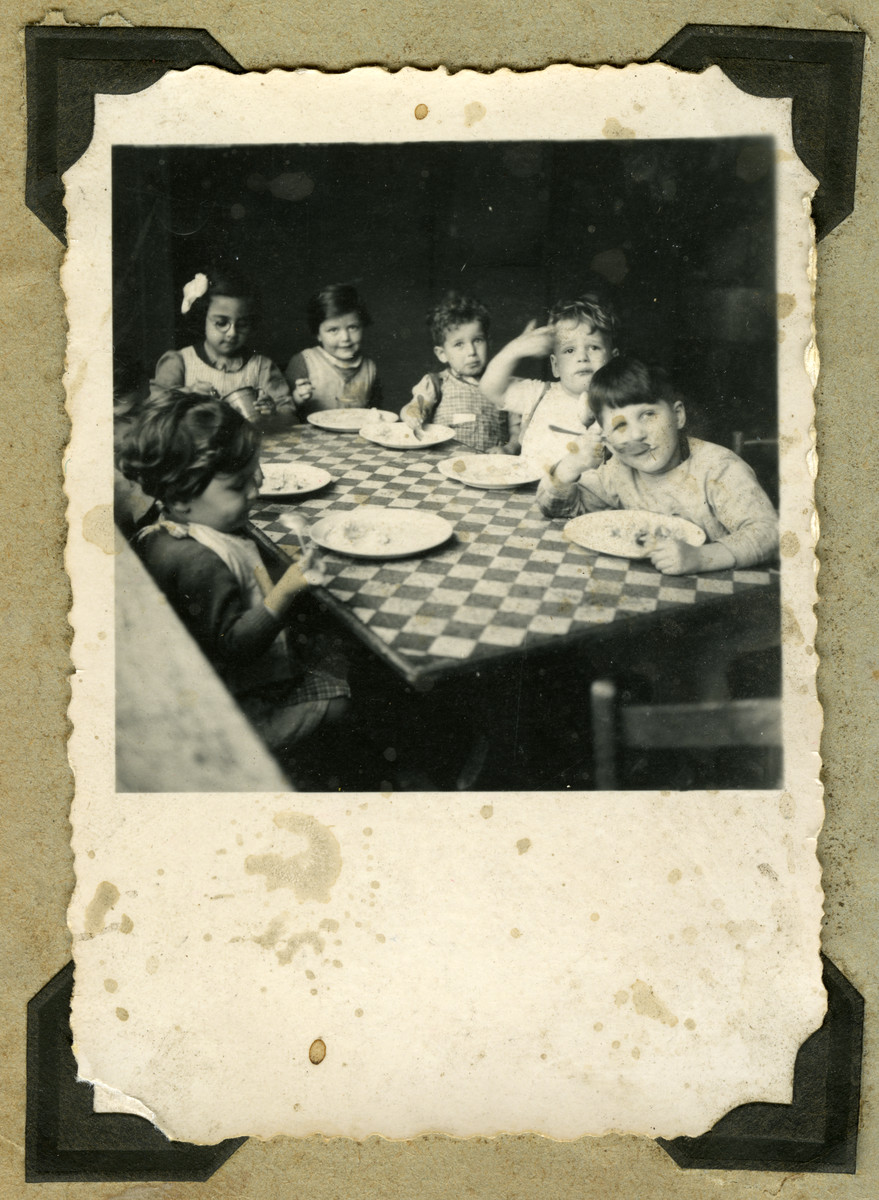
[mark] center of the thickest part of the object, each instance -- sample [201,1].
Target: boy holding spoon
[655,466]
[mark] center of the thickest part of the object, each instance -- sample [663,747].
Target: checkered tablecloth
[507,580]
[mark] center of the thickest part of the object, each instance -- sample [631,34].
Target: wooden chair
[761,454]
[708,725]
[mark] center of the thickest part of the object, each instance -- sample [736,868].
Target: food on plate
[647,538]
[630,533]
[357,533]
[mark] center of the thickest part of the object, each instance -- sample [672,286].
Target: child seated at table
[200,459]
[548,419]
[655,466]
[459,328]
[222,309]
[335,373]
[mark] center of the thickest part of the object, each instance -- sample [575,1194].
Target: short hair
[181,441]
[335,300]
[589,308]
[454,310]
[624,381]
[222,281]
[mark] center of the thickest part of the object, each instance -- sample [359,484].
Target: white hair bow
[194,290]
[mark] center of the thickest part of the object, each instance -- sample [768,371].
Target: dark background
[680,235]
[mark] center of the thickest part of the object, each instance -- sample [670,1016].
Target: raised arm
[534,342]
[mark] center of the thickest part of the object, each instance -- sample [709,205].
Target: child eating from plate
[655,466]
[459,328]
[548,420]
[199,458]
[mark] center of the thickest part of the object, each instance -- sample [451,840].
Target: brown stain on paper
[99,529]
[473,112]
[296,942]
[309,874]
[272,933]
[785,304]
[105,897]
[613,129]
[288,950]
[647,1004]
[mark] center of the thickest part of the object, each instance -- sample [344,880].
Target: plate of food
[401,437]
[349,420]
[630,533]
[292,479]
[374,532]
[490,470]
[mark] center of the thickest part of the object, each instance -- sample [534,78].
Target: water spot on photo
[105,897]
[312,872]
[99,529]
[473,112]
[614,129]
[295,943]
[647,1004]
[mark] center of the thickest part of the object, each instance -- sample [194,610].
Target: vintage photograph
[457,462]
[442,615]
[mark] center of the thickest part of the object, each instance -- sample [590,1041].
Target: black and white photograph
[455,603]
[457,462]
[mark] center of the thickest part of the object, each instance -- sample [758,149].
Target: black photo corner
[65,67]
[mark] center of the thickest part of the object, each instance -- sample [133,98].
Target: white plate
[630,533]
[401,437]
[373,532]
[349,420]
[490,471]
[293,479]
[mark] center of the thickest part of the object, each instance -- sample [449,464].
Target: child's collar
[230,365]
[463,378]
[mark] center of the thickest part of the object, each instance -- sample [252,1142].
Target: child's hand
[288,587]
[302,391]
[584,458]
[415,413]
[674,557]
[535,341]
[265,405]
